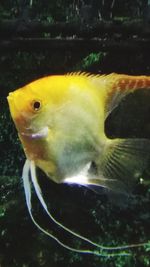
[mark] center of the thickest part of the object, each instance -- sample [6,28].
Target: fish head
[31,106]
[24,107]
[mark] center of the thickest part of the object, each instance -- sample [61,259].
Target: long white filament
[30,166]
[40,197]
[27,189]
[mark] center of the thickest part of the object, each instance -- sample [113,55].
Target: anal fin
[124,162]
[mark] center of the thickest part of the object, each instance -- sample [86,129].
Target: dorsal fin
[120,85]
[114,87]
[83,74]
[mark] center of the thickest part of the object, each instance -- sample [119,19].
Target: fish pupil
[36,105]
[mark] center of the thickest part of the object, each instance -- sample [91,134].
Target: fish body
[60,122]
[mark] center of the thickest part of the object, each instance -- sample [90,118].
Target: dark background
[39,38]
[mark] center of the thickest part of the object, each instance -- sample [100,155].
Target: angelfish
[60,122]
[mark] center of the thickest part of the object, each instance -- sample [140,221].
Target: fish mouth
[10,99]
[12,105]
[10,96]
[38,135]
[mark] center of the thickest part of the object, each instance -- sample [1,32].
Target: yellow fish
[60,121]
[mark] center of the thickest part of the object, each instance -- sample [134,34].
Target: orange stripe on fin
[133,82]
[120,85]
[140,83]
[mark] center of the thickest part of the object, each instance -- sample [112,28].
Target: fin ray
[125,160]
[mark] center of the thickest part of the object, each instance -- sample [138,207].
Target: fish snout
[13,103]
[10,97]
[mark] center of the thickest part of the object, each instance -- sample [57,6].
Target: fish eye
[36,104]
